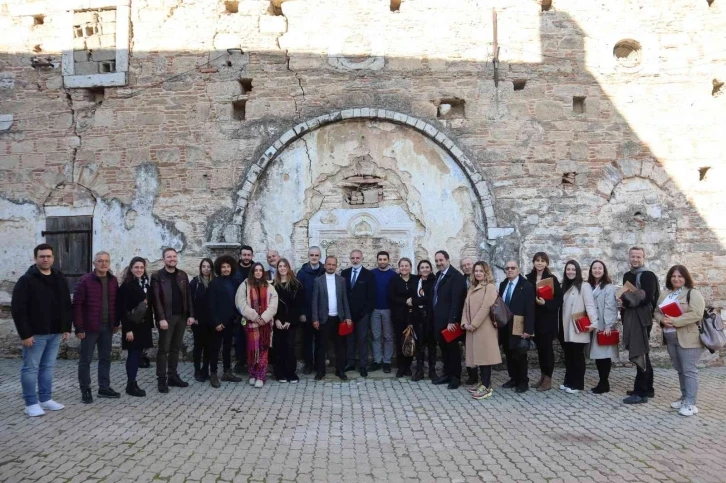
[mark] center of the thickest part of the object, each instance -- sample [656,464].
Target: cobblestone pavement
[380,429]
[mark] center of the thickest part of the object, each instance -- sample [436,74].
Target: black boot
[145,362]
[472,379]
[162,385]
[133,389]
[198,375]
[176,381]
[418,374]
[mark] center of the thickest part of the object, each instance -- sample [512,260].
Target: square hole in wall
[546,5]
[395,5]
[107,67]
[569,178]
[578,104]
[231,6]
[38,19]
[96,94]
[238,110]
[519,84]
[451,108]
[246,85]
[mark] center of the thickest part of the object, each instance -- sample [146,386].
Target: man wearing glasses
[518,294]
[94,315]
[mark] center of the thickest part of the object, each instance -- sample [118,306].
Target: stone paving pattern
[379,429]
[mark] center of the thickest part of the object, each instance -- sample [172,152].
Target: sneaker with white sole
[688,410]
[34,411]
[483,393]
[259,383]
[252,381]
[571,391]
[563,387]
[51,405]
[475,389]
[677,404]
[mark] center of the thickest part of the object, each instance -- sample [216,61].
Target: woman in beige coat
[482,343]
[577,299]
[681,334]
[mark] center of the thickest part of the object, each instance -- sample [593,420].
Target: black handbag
[137,315]
[525,345]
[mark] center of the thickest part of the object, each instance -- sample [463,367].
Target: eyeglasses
[510,268]
[103,262]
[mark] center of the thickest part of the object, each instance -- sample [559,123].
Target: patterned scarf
[143,283]
[259,338]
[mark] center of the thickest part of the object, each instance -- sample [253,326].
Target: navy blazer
[451,294]
[362,297]
[522,303]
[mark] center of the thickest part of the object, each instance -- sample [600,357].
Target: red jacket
[87,302]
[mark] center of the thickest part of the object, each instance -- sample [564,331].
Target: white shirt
[332,295]
[514,285]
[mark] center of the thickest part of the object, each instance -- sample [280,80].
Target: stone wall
[603,129]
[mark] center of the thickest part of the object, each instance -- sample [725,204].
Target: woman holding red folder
[578,308]
[546,317]
[681,334]
[603,291]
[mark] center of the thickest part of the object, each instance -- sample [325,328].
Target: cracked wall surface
[642,161]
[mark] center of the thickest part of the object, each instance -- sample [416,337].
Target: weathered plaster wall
[645,153]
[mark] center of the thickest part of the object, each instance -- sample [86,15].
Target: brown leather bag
[500,313]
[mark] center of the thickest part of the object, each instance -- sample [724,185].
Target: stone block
[79,43]
[107,16]
[107,40]
[548,111]
[273,24]
[85,68]
[80,56]
[103,54]
[579,150]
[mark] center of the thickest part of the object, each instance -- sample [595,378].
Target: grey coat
[320,299]
[607,318]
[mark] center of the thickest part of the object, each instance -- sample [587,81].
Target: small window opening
[627,53]
[451,108]
[238,110]
[231,6]
[546,5]
[395,5]
[96,94]
[702,172]
[246,85]
[77,31]
[91,30]
[107,67]
[37,49]
[717,85]
[519,84]
[275,8]
[569,178]
[578,104]
[710,2]
[38,19]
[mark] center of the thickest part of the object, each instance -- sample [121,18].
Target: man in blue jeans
[41,308]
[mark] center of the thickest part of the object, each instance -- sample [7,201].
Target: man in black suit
[361,298]
[273,256]
[519,296]
[447,304]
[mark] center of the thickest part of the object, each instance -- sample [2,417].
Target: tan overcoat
[482,345]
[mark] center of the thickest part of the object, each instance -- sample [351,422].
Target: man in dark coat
[240,340]
[96,320]
[361,297]
[307,275]
[519,296]
[447,304]
[644,279]
[42,312]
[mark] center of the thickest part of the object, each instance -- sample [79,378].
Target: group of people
[240,303]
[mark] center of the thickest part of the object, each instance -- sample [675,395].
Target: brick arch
[475,177]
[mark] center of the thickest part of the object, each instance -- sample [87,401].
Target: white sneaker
[677,404]
[34,410]
[51,405]
[563,387]
[571,391]
[688,410]
[284,381]
[252,381]
[259,383]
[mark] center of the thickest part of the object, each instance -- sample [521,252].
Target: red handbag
[612,339]
[450,336]
[345,329]
[582,322]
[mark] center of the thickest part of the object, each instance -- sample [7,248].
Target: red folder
[672,309]
[345,329]
[546,292]
[582,324]
[612,339]
[450,336]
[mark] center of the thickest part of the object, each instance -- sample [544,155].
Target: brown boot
[546,384]
[538,384]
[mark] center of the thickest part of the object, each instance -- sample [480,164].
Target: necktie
[508,295]
[436,287]
[354,278]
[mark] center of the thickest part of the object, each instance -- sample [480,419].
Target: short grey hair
[98,254]
[314,248]
[357,251]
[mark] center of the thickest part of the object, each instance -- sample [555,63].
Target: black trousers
[285,358]
[603,369]
[546,353]
[451,356]
[309,346]
[516,360]
[359,339]
[222,340]
[240,344]
[574,365]
[203,334]
[485,372]
[399,326]
[328,334]
[644,378]
[425,342]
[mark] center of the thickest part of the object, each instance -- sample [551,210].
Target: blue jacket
[307,276]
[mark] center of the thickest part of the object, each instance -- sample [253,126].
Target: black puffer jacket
[41,304]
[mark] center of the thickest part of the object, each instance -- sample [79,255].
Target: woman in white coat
[577,299]
[603,291]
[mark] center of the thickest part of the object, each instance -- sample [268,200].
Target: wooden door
[71,239]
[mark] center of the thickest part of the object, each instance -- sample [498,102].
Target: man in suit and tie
[447,304]
[361,297]
[519,296]
[329,308]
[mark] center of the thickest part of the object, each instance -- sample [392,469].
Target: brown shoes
[539,383]
[546,384]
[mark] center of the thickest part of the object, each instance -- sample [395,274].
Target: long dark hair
[221,260]
[211,265]
[418,268]
[252,281]
[605,280]
[542,256]
[684,273]
[128,275]
[566,282]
